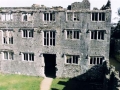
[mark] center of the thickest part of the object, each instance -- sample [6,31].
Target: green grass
[59,84]
[19,82]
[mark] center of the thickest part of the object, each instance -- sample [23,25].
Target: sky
[115,4]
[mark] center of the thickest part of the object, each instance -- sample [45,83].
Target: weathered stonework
[84,47]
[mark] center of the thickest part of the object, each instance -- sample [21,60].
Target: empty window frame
[72,59]
[75,16]
[73,34]
[7,37]
[69,16]
[49,38]
[8,55]
[27,33]
[28,56]
[6,17]
[27,16]
[96,60]
[49,16]
[72,16]
[97,35]
[98,16]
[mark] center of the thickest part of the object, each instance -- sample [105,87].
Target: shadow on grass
[91,80]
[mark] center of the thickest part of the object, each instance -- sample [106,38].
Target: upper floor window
[96,59]
[72,16]
[72,59]
[27,16]
[28,56]
[6,17]
[49,38]
[7,37]
[98,16]
[49,16]
[98,35]
[73,34]
[7,55]
[27,33]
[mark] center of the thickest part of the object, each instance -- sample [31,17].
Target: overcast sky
[115,4]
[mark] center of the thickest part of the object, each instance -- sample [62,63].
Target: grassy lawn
[59,84]
[19,82]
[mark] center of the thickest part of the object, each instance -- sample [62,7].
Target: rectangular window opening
[72,59]
[49,38]
[96,60]
[8,55]
[28,33]
[98,16]
[72,34]
[7,36]
[97,34]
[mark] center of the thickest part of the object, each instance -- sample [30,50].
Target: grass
[59,84]
[19,82]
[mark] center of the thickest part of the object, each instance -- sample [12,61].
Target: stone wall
[84,47]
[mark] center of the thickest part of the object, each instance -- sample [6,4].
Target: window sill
[8,59]
[71,64]
[27,61]
[26,21]
[98,21]
[27,37]
[7,21]
[94,64]
[72,39]
[97,40]
[73,21]
[48,46]
[7,44]
[49,21]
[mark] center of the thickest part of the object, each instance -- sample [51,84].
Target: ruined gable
[85,4]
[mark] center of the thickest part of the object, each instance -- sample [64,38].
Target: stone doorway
[50,63]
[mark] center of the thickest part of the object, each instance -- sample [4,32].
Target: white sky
[115,4]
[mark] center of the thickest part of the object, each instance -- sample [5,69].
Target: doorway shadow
[50,63]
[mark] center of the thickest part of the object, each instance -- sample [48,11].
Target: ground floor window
[96,60]
[28,56]
[8,55]
[72,59]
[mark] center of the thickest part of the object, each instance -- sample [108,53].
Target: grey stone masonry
[78,37]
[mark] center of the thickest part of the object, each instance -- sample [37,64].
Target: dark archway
[50,63]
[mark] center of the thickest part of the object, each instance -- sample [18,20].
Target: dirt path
[45,85]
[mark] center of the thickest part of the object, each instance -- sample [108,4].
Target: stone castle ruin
[56,41]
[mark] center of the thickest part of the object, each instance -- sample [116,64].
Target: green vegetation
[59,84]
[19,82]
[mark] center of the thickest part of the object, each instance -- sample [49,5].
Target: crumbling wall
[111,79]
[85,4]
[103,76]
